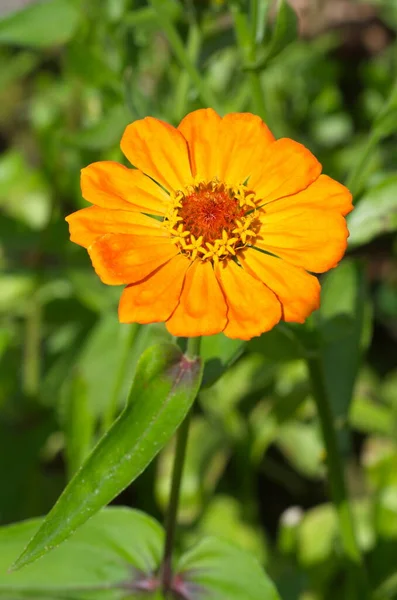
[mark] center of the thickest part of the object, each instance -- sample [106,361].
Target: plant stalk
[166,572]
[357,579]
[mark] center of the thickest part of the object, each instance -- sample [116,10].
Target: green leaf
[217,570]
[78,424]
[285,32]
[343,321]
[164,388]
[41,24]
[314,549]
[218,353]
[279,344]
[100,365]
[386,122]
[226,518]
[24,192]
[375,214]
[115,550]
[302,445]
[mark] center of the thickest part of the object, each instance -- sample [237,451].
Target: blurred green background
[73,74]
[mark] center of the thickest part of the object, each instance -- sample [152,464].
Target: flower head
[217,228]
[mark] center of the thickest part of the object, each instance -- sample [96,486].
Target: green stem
[166,573]
[357,577]
[31,364]
[247,44]
[180,52]
[193,347]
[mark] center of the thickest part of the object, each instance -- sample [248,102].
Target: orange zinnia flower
[217,227]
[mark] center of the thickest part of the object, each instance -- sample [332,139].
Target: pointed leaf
[112,553]
[343,320]
[219,353]
[285,30]
[164,388]
[279,344]
[217,570]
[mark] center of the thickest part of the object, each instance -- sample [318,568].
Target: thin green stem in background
[246,40]
[32,351]
[192,352]
[171,519]
[357,580]
[179,50]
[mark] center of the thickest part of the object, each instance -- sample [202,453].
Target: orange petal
[200,129]
[154,299]
[119,258]
[202,307]
[313,239]
[87,224]
[242,137]
[159,150]
[252,307]
[285,168]
[324,193]
[298,292]
[111,185]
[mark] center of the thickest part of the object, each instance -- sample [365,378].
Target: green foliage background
[72,76]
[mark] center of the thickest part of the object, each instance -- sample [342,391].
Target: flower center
[212,220]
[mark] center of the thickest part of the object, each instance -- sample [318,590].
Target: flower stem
[357,579]
[193,347]
[180,52]
[170,524]
[192,352]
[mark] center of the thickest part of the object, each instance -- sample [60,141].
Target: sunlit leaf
[106,558]
[165,385]
[217,569]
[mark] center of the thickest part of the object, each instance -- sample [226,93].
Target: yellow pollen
[212,221]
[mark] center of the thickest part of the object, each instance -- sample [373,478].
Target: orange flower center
[212,221]
[207,213]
